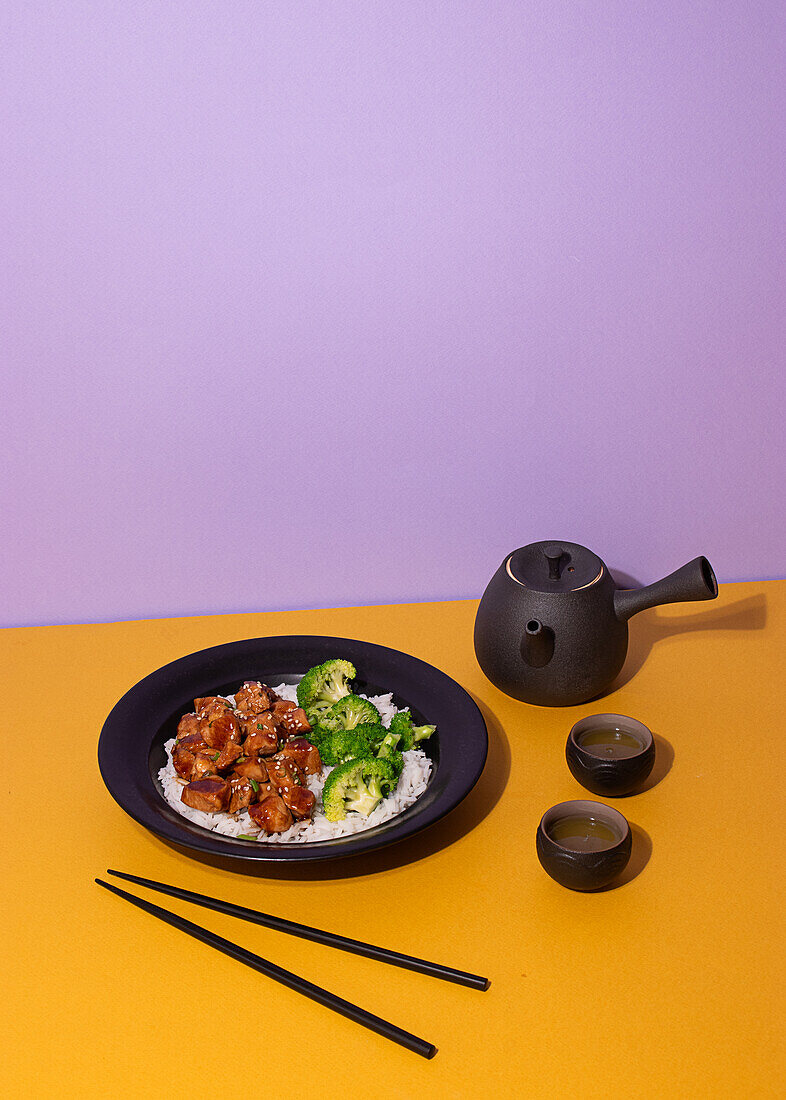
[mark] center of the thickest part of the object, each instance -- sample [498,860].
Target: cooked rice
[411,785]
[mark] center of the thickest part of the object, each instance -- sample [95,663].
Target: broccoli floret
[336,746]
[356,786]
[324,685]
[388,751]
[350,712]
[401,723]
[422,733]
[374,733]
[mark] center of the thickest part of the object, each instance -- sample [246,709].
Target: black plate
[131,747]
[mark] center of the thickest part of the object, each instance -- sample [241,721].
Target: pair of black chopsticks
[286,977]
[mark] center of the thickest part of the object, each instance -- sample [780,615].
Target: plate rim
[157,816]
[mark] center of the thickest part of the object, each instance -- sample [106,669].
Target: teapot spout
[537,644]
[694,581]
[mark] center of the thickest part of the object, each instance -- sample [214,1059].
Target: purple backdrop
[330,303]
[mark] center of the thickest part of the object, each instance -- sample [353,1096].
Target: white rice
[411,785]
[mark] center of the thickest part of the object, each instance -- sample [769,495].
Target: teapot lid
[554,566]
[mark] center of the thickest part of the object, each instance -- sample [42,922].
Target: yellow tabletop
[669,985]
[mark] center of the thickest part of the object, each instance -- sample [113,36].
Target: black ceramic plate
[131,747]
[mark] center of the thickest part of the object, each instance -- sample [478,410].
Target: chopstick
[285,977]
[330,939]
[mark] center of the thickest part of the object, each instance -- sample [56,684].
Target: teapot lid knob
[554,554]
[554,566]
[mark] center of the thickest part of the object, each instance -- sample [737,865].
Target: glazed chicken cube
[288,780]
[250,723]
[211,706]
[300,801]
[290,783]
[191,758]
[292,722]
[252,698]
[188,725]
[225,757]
[193,742]
[304,754]
[252,769]
[283,772]
[242,793]
[217,731]
[271,815]
[261,742]
[208,795]
[183,761]
[203,765]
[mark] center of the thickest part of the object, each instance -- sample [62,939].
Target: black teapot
[552,626]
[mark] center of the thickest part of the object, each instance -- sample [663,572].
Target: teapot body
[555,648]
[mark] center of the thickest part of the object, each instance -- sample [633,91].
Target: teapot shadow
[649,628]
[460,821]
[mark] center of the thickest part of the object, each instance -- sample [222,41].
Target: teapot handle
[694,581]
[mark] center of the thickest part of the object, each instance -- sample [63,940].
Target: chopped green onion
[245,836]
[216,756]
[255,785]
[240,759]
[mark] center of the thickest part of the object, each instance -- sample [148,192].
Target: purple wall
[330,303]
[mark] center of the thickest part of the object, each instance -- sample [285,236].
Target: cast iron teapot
[552,626]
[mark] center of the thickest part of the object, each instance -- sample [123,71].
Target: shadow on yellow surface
[650,628]
[640,853]
[664,758]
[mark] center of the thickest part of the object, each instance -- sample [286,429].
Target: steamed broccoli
[388,751]
[324,685]
[349,712]
[410,734]
[374,733]
[357,786]
[336,746]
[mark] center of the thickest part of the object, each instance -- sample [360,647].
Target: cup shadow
[640,853]
[460,821]
[664,759]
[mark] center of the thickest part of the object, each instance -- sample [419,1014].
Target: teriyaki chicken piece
[208,795]
[271,815]
[242,792]
[304,754]
[288,780]
[254,698]
[252,768]
[211,706]
[290,719]
[217,731]
[261,735]
[188,725]
[190,765]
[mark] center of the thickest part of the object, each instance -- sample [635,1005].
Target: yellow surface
[669,985]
